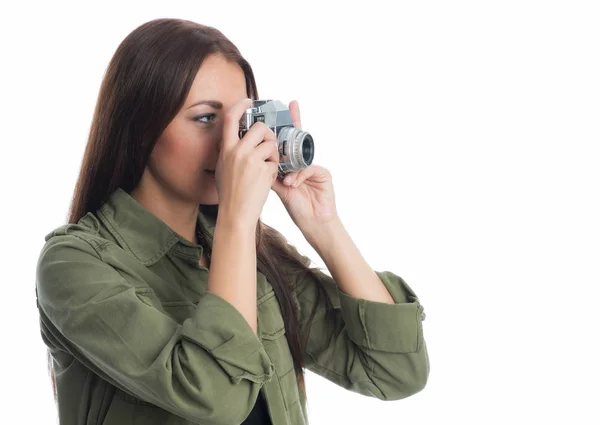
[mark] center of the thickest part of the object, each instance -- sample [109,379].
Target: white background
[463,138]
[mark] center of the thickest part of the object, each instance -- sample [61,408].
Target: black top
[259,414]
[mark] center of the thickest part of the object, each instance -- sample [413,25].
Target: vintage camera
[296,147]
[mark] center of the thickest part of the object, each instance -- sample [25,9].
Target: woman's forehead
[220,80]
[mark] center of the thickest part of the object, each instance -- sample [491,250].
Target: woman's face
[188,146]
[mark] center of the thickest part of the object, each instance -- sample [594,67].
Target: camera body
[296,147]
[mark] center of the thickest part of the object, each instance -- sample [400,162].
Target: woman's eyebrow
[214,103]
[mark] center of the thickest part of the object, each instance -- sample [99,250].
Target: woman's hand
[309,199]
[246,167]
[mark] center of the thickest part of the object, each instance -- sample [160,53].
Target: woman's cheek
[169,157]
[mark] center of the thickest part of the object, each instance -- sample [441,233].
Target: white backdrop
[463,138]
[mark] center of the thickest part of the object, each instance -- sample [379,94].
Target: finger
[278,187]
[290,178]
[304,174]
[273,160]
[274,157]
[231,126]
[267,151]
[295,113]
[258,133]
[271,171]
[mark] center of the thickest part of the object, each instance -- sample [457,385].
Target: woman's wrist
[234,221]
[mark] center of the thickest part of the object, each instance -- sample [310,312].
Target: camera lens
[308,149]
[296,148]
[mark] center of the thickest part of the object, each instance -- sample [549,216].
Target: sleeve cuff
[221,329]
[394,328]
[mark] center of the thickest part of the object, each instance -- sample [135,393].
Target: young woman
[165,299]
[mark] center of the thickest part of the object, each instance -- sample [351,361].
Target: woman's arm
[234,244]
[346,264]
[96,307]
[376,348]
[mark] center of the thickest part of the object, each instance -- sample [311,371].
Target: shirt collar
[145,235]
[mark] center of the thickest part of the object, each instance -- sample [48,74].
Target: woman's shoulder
[76,253]
[87,231]
[88,236]
[69,256]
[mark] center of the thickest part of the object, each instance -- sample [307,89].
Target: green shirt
[137,339]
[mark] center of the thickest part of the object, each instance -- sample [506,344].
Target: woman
[150,301]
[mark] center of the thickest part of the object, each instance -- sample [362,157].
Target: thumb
[232,123]
[280,186]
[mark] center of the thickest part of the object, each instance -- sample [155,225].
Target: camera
[296,147]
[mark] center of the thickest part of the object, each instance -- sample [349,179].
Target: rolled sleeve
[393,328]
[105,315]
[372,348]
[222,330]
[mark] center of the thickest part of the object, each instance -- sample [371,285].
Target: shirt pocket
[291,394]
[179,310]
[271,331]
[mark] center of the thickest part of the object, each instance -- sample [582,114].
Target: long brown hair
[145,85]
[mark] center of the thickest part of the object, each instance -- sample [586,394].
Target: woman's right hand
[246,168]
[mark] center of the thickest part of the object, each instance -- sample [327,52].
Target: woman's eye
[203,118]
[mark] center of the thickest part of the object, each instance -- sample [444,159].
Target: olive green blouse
[137,339]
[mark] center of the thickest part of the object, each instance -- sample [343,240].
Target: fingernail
[296,183]
[288,181]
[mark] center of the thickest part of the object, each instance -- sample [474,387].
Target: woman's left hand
[310,200]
